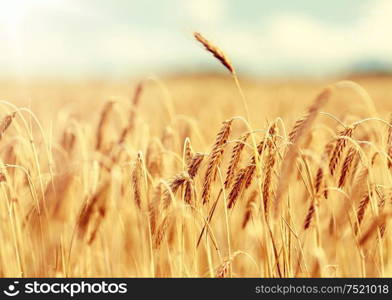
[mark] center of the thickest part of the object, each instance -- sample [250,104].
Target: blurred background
[84,39]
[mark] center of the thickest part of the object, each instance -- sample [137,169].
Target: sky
[120,38]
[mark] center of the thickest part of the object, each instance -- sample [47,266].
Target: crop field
[196,176]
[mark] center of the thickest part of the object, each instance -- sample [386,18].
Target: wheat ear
[215,51]
[300,129]
[389,143]
[235,159]
[346,168]
[215,159]
[101,125]
[339,148]
[5,123]
[250,208]
[136,180]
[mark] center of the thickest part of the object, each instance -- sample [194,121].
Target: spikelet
[346,166]
[188,193]
[309,215]
[98,222]
[363,204]
[223,268]
[68,140]
[244,177]
[215,159]
[311,211]
[188,152]
[5,123]
[237,187]
[137,179]
[154,161]
[300,129]
[193,167]
[167,137]
[320,171]
[86,214]
[161,231]
[268,180]
[339,148]
[271,158]
[250,208]
[96,203]
[175,183]
[153,207]
[382,195]
[355,166]
[302,125]
[235,159]
[251,167]
[3,178]
[389,143]
[216,52]
[319,179]
[136,97]
[102,123]
[359,186]
[378,223]
[132,115]
[195,163]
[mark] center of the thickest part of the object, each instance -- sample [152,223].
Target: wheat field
[197,176]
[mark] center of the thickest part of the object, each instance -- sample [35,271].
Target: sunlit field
[196,176]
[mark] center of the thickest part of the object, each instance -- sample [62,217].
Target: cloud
[204,11]
[299,42]
[88,38]
[375,28]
